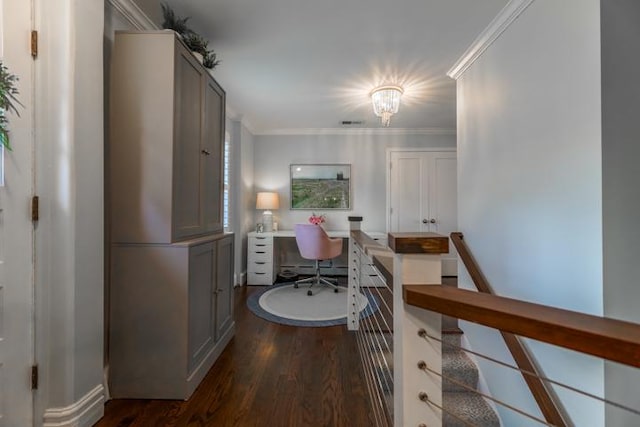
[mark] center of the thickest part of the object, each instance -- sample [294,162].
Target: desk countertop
[331,233]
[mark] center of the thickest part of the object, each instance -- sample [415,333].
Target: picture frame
[320,186]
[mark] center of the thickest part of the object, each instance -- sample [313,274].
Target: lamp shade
[268,201]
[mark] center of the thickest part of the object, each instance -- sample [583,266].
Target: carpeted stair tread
[470,407]
[451,342]
[459,367]
[456,364]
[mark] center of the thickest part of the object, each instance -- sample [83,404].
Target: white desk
[269,252]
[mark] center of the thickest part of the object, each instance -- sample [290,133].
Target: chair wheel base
[309,293]
[335,290]
[295,285]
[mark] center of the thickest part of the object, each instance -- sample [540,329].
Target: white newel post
[411,268]
[354,271]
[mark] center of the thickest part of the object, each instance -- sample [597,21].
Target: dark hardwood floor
[269,375]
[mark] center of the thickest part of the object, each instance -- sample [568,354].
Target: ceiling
[305,66]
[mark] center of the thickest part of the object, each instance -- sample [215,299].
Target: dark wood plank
[269,375]
[418,243]
[481,283]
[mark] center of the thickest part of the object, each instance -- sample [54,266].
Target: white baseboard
[85,412]
[240,281]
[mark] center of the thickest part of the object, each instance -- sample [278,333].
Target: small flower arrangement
[317,219]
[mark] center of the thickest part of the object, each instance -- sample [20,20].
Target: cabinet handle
[261,263]
[206,152]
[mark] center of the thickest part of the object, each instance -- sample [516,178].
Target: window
[226,183]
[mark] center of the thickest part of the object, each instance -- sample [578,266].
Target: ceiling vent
[352,122]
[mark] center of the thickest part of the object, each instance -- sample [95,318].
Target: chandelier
[386,101]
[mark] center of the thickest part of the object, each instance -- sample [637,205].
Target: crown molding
[357,131]
[500,23]
[132,13]
[233,115]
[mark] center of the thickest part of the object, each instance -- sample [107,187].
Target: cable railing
[407,357]
[381,347]
[373,328]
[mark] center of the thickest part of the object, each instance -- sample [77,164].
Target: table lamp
[267,201]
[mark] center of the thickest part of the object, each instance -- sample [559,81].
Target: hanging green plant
[8,102]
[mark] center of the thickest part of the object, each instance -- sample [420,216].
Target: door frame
[17,21]
[390,150]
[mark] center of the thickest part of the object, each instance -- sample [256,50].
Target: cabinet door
[202,282]
[189,100]
[212,152]
[224,291]
[423,196]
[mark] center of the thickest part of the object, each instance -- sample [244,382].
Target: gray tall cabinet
[171,290]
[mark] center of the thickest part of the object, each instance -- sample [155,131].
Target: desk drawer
[260,242]
[260,254]
[259,278]
[260,267]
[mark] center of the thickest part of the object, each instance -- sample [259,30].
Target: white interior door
[423,196]
[16,229]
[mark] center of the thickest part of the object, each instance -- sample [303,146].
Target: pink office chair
[314,243]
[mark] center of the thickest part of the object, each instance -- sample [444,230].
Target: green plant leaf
[8,102]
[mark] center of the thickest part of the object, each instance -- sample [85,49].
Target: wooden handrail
[546,398]
[610,339]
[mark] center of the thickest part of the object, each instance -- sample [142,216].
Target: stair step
[451,340]
[470,407]
[458,366]
[449,322]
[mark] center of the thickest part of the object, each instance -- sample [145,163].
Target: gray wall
[620,21]
[529,184]
[365,152]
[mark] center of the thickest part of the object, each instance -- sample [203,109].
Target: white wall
[529,183]
[242,193]
[69,236]
[620,22]
[365,152]
[152,9]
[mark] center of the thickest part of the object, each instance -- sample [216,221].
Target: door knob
[206,152]
[424,221]
[432,221]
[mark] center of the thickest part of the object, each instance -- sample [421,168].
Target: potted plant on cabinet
[173,22]
[194,41]
[8,102]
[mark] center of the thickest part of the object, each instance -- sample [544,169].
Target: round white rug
[287,305]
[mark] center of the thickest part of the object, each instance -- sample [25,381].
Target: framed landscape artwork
[321,186]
